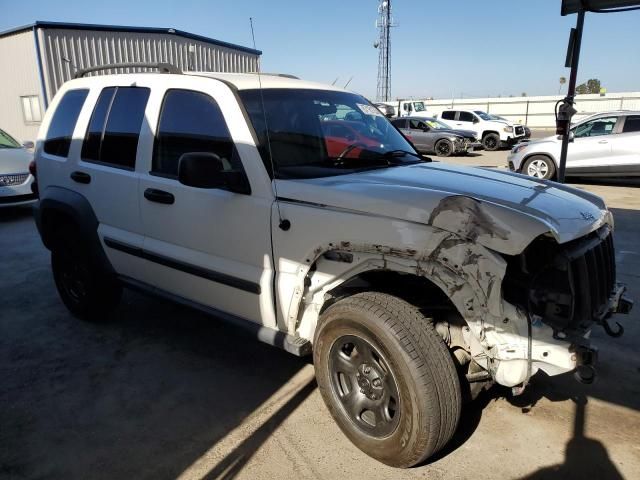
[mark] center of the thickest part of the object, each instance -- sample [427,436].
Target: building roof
[125,28]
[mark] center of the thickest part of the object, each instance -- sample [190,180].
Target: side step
[298,346]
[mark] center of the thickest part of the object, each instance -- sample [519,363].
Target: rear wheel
[444,148]
[89,293]
[539,166]
[387,378]
[491,141]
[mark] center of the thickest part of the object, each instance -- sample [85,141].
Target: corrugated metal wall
[19,78]
[85,48]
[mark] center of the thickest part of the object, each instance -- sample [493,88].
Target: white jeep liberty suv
[414,284]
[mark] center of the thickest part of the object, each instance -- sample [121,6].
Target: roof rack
[162,68]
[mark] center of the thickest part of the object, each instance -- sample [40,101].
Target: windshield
[318,133]
[483,115]
[436,124]
[7,141]
[418,106]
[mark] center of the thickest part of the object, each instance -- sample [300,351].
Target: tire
[89,293]
[444,148]
[374,336]
[540,167]
[491,142]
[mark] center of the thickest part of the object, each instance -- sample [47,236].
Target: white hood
[500,210]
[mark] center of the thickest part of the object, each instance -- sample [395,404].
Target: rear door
[104,170]
[449,117]
[210,246]
[626,147]
[591,152]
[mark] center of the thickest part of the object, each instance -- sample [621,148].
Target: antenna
[283,223]
[334,82]
[347,84]
[383,44]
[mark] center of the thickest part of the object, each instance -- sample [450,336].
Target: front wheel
[444,148]
[539,166]
[491,141]
[387,378]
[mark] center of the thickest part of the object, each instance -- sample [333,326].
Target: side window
[466,117]
[58,139]
[114,129]
[399,123]
[597,127]
[416,124]
[632,124]
[449,115]
[191,122]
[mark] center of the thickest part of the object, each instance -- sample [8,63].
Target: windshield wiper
[400,153]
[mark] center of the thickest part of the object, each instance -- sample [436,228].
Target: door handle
[159,196]
[603,141]
[80,177]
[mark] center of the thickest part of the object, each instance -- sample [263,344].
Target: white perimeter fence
[537,112]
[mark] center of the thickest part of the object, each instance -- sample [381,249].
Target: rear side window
[191,122]
[466,117]
[632,124]
[449,115]
[114,129]
[58,139]
[400,123]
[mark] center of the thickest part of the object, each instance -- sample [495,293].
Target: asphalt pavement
[166,392]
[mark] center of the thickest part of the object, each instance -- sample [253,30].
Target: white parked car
[493,133]
[602,145]
[414,284]
[15,179]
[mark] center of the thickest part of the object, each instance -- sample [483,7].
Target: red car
[341,134]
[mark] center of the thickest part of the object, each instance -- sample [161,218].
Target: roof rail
[284,75]
[162,67]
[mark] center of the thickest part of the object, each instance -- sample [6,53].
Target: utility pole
[384,24]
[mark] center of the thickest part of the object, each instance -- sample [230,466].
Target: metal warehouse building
[37,59]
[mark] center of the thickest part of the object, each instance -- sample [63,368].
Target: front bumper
[15,195]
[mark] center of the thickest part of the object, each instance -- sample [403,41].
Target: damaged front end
[568,288]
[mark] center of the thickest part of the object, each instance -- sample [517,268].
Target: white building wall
[86,48]
[538,112]
[19,77]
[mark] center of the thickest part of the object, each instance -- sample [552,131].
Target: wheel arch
[61,212]
[440,279]
[487,132]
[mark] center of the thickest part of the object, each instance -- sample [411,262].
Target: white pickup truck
[298,211]
[493,133]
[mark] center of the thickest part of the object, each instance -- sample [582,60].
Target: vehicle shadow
[11,214]
[143,396]
[584,457]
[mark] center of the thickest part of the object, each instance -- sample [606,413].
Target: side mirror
[426,128]
[28,144]
[206,170]
[475,120]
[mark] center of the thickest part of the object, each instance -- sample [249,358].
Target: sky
[464,48]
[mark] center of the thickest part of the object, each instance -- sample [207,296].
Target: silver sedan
[15,179]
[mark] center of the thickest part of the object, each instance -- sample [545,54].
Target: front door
[210,246]
[590,151]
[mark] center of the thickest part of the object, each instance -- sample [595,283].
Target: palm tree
[563,80]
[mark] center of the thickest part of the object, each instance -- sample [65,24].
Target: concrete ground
[165,392]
